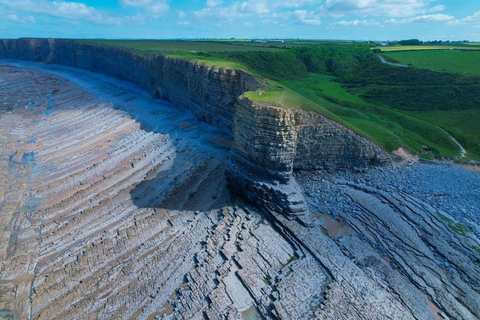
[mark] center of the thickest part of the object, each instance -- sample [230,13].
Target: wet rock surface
[115,205]
[414,227]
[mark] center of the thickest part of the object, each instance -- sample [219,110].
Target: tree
[410,42]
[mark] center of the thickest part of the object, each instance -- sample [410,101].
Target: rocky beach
[116,205]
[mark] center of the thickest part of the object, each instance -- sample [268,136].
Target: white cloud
[234,11]
[305,17]
[183,23]
[293,3]
[63,9]
[14,17]
[392,8]
[299,17]
[181,14]
[253,8]
[474,19]
[213,3]
[438,8]
[258,7]
[155,7]
[424,18]
[356,23]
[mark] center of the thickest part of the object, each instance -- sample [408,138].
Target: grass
[211,53]
[455,226]
[424,48]
[446,100]
[462,124]
[159,46]
[210,60]
[454,61]
[387,127]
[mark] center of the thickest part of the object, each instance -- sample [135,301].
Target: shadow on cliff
[193,176]
[184,185]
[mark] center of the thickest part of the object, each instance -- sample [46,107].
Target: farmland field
[197,46]
[415,48]
[456,61]
[472,47]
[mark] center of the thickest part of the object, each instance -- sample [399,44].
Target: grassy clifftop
[394,107]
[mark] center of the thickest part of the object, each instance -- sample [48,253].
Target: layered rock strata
[269,141]
[261,162]
[209,93]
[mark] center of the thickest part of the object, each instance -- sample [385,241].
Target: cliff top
[395,107]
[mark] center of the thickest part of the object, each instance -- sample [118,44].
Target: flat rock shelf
[114,205]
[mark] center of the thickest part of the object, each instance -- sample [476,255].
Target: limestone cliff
[208,92]
[325,144]
[269,141]
[272,141]
[262,157]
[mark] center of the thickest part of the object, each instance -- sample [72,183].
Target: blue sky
[312,19]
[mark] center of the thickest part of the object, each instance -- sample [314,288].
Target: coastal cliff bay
[204,200]
[269,141]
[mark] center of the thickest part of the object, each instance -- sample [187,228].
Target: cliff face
[262,157]
[325,144]
[210,93]
[269,142]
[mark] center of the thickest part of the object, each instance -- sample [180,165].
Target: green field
[193,46]
[394,107]
[470,47]
[212,52]
[413,48]
[455,61]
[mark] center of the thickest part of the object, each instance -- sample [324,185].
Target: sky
[181,19]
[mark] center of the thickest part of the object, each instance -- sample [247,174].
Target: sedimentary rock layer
[105,215]
[415,226]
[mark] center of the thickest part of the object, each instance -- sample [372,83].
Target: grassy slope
[463,124]
[427,48]
[212,53]
[198,46]
[388,127]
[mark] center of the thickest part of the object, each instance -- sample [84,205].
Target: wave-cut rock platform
[114,205]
